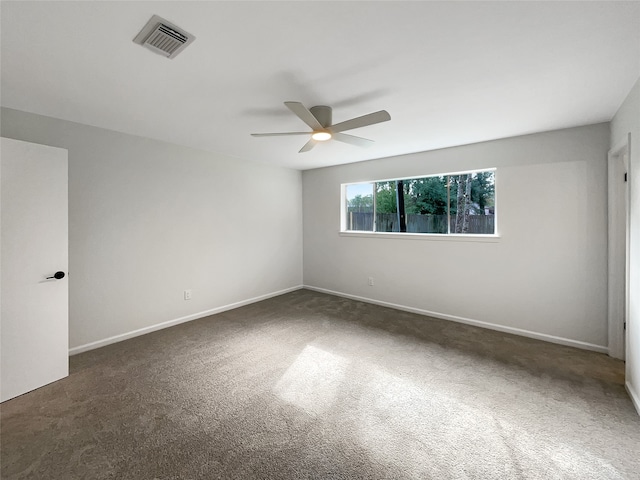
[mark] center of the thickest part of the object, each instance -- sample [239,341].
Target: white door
[34,313]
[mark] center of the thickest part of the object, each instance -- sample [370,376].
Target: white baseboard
[635,398]
[170,323]
[478,323]
[470,321]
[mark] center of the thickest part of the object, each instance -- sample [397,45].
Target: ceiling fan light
[321,136]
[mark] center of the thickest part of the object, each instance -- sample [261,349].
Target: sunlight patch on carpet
[313,380]
[433,433]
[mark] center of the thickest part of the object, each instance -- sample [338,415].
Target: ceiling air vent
[163,37]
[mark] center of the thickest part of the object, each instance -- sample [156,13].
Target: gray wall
[544,277]
[627,120]
[149,219]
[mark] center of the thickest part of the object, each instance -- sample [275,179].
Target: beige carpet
[308,385]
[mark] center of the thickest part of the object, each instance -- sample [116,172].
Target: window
[360,206]
[461,203]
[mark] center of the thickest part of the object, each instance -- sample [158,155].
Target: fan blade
[279,134]
[304,114]
[308,146]
[352,140]
[363,121]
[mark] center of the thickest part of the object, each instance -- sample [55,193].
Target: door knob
[57,275]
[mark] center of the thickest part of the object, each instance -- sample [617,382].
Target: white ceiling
[449,73]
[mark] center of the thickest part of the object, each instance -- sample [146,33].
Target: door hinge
[624,326]
[625,176]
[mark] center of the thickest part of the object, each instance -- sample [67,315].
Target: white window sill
[424,236]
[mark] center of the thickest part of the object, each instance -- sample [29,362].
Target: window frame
[473,237]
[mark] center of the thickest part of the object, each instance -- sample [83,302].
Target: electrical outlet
[371,281]
[187,294]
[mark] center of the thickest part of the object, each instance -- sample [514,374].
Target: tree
[361,203]
[386,197]
[483,190]
[470,194]
[463,202]
[427,196]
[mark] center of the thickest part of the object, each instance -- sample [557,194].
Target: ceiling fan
[319,119]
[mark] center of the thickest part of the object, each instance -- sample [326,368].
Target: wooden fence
[416,223]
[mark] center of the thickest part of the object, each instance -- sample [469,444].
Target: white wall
[149,219]
[627,120]
[546,274]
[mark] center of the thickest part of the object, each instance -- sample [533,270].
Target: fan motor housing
[322,114]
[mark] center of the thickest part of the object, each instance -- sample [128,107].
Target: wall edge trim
[635,398]
[469,321]
[170,323]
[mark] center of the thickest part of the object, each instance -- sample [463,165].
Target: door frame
[618,246]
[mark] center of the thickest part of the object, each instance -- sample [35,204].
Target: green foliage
[386,200]
[483,189]
[361,203]
[426,196]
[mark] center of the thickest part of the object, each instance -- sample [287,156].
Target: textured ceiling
[449,73]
